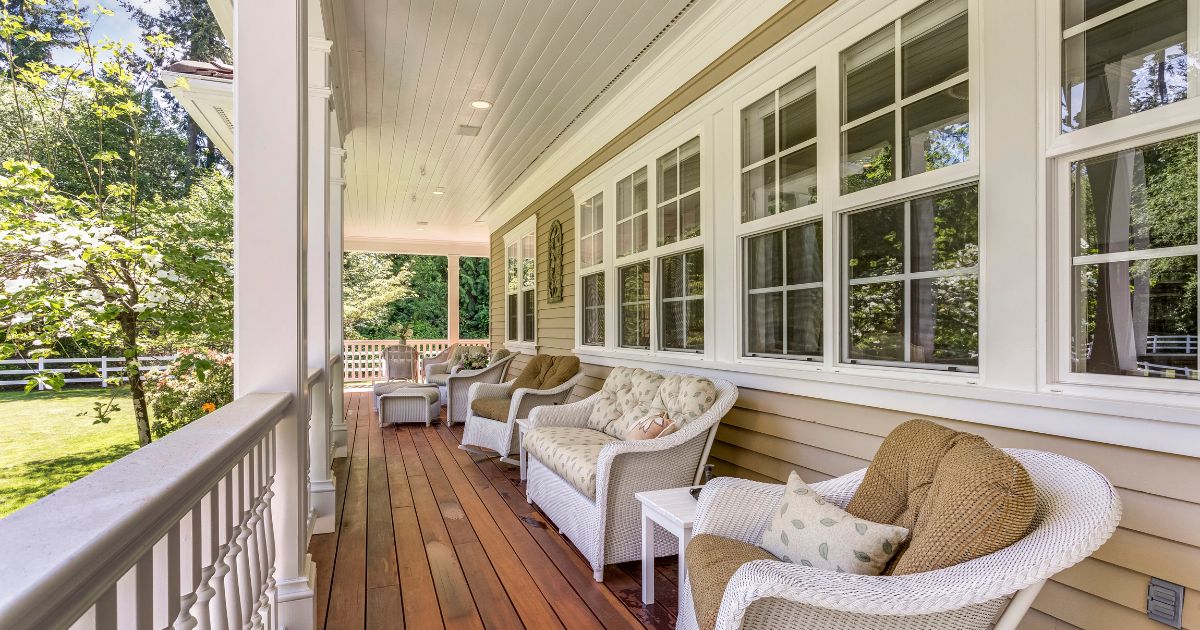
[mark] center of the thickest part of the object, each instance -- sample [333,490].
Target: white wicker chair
[399,363]
[608,529]
[458,387]
[1077,511]
[438,364]
[502,436]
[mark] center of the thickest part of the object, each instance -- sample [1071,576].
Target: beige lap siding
[769,434]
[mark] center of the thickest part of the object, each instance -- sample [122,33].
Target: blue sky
[116,27]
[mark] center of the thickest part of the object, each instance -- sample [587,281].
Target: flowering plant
[194,385]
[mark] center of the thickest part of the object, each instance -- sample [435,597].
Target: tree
[190,23]
[40,16]
[95,256]
[475,296]
[370,284]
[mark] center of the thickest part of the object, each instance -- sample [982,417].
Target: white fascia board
[223,11]
[717,30]
[209,101]
[416,246]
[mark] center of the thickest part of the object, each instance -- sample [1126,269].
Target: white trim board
[209,101]
[1123,423]
[713,33]
[416,246]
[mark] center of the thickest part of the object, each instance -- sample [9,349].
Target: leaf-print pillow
[806,529]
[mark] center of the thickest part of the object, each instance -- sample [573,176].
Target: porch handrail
[64,555]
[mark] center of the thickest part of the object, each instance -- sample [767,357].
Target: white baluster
[246,481]
[166,587]
[233,583]
[218,611]
[106,610]
[210,524]
[269,526]
[254,541]
[191,542]
[144,592]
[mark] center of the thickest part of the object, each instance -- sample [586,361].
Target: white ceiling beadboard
[411,68]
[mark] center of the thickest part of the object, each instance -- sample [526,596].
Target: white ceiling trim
[209,101]
[715,31]
[416,246]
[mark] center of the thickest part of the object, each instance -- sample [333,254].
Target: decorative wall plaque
[556,262]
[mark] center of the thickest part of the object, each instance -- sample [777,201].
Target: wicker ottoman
[409,404]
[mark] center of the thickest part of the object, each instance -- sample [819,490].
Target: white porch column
[452,263]
[269,267]
[337,191]
[321,486]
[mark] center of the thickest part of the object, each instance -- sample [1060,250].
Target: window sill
[1102,415]
[521,347]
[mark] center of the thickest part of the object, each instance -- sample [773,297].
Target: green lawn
[45,445]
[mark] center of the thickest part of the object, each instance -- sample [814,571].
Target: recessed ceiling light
[481,104]
[439,191]
[420,229]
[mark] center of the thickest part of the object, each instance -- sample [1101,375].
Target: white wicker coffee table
[674,510]
[409,404]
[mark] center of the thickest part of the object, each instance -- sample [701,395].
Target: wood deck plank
[431,536]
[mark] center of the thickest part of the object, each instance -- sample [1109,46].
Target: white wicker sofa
[1077,510]
[605,524]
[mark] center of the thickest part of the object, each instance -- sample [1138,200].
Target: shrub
[197,383]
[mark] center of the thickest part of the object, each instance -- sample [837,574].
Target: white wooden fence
[107,367]
[361,358]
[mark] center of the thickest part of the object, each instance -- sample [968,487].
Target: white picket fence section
[108,367]
[361,358]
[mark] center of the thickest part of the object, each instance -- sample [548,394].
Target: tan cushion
[711,563]
[808,530]
[569,452]
[653,425]
[896,482]
[981,501]
[561,369]
[626,395]
[531,374]
[499,355]
[684,397]
[494,408]
[439,379]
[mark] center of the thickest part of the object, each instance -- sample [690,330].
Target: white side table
[674,510]
[522,428]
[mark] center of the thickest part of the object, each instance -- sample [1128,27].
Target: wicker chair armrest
[437,368]
[487,390]
[525,400]
[489,374]
[574,414]
[734,508]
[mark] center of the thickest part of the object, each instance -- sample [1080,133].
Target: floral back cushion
[625,391]
[684,397]
[813,532]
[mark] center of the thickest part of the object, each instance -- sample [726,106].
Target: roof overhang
[416,246]
[209,100]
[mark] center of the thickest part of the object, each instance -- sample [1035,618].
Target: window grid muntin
[687,299]
[676,201]
[778,155]
[597,234]
[634,214]
[594,311]
[783,290]
[520,246]
[642,305]
[897,105]
[906,278]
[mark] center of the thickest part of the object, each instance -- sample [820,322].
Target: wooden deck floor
[431,536]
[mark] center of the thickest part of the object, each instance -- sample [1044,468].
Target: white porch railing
[105,366]
[177,534]
[361,357]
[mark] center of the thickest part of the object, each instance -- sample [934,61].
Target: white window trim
[1014,388]
[516,237]
[602,267]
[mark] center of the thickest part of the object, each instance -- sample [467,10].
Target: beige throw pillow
[813,532]
[653,425]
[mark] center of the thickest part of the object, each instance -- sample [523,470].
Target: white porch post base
[294,603]
[322,493]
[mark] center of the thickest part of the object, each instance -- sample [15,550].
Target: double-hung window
[681,301]
[905,97]
[1127,231]
[634,312]
[633,214]
[911,295]
[520,283]
[591,260]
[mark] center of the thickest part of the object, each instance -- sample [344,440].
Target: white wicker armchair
[1077,511]
[458,387]
[438,364]
[608,529]
[502,436]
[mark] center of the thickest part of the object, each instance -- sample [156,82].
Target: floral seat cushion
[684,397]
[569,452]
